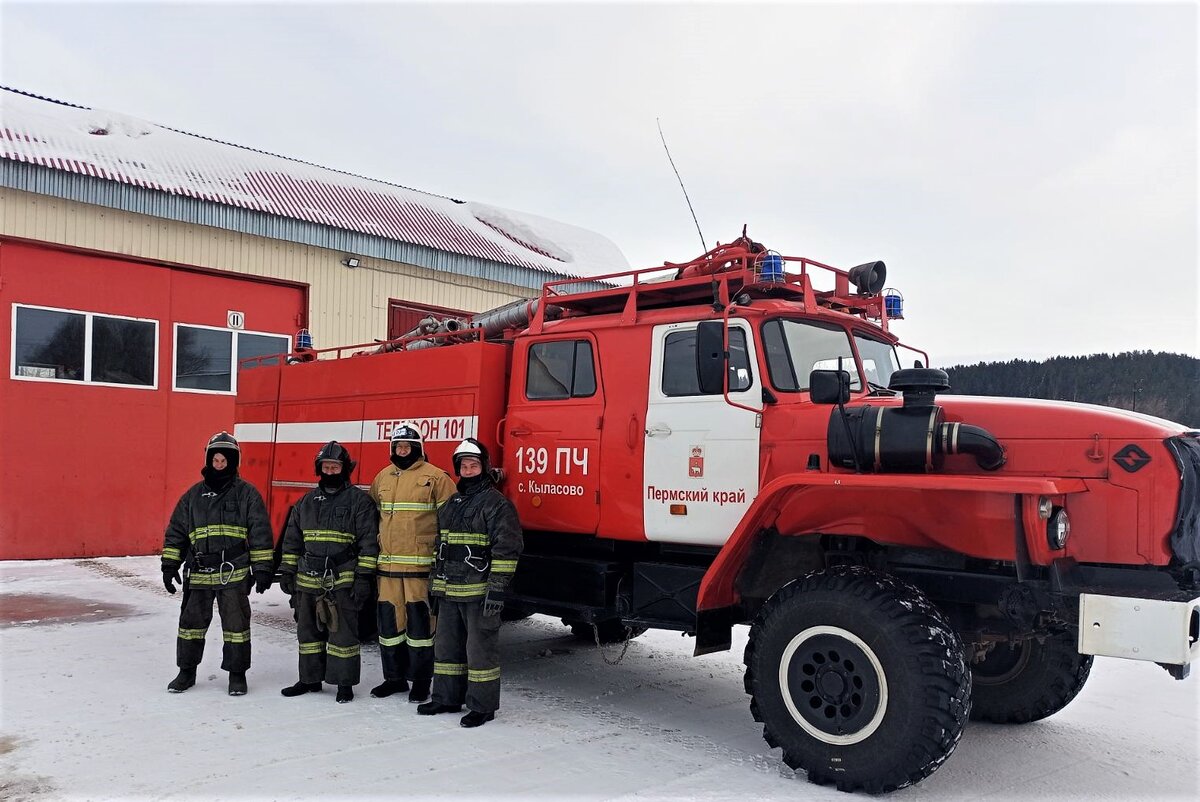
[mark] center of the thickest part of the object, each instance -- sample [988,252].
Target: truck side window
[560,369]
[679,375]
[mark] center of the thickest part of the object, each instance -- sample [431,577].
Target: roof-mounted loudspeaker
[869,277]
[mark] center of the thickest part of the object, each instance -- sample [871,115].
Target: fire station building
[139,264]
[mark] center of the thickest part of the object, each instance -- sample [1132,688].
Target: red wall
[93,470]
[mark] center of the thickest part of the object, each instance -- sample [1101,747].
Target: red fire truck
[720,442]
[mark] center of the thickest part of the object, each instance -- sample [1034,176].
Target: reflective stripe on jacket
[408,502]
[478,545]
[334,535]
[207,522]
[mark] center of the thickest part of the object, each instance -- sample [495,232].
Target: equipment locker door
[701,454]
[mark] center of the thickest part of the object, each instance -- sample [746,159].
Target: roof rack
[725,272]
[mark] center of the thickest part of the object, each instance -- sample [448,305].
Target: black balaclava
[404,463]
[333,450]
[220,479]
[467,484]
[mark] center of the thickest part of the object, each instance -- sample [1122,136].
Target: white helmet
[471,448]
[408,432]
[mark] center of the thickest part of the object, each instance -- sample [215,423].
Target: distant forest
[1166,385]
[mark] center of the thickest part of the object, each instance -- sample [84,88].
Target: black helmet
[333,450]
[472,448]
[226,444]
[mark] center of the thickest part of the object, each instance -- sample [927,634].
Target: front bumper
[1164,632]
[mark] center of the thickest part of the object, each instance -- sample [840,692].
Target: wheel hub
[833,684]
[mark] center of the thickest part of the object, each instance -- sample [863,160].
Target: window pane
[879,360]
[680,376]
[740,375]
[49,344]
[813,346]
[778,363]
[202,359]
[585,372]
[551,370]
[249,345]
[123,351]
[679,364]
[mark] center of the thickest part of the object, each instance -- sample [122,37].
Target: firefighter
[218,533]
[329,552]
[409,493]
[479,541]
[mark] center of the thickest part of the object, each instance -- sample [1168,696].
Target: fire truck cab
[719,442]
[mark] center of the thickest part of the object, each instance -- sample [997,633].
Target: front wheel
[1019,682]
[858,678]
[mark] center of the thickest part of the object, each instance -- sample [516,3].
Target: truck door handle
[518,432]
[658,430]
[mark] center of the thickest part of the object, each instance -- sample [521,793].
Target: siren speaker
[869,278]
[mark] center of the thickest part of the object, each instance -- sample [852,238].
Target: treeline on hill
[1166,385]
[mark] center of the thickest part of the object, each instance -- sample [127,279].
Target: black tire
[1027,681]
[610,631]
[858,678]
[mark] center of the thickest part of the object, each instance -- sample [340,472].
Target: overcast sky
[1028,172]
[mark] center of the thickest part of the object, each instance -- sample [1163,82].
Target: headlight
[1058,529]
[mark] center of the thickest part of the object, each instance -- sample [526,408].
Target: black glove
[287,583]
[262,581]
[170,577]
[361,590]
[493,603]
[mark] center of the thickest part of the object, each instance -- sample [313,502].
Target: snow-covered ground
[88,647]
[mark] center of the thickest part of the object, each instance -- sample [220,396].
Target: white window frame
[87,380]
[233,365]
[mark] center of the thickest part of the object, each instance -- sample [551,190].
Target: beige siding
[347,305]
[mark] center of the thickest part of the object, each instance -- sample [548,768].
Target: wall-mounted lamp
[351,261]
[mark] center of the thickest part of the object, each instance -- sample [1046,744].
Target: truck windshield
[796,348]
[879,360]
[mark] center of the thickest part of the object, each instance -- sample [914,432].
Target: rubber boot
[476,719]
[420,690]
[345,694]
[389,687]
[237,683]
[185,679]
[301,688]
[433,708]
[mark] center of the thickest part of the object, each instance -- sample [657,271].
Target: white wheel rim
[789,702]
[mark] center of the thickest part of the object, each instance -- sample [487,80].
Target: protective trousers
[405,628]
[233,604]
[325,656]
[467,656]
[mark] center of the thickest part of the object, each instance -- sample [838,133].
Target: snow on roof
[117,147]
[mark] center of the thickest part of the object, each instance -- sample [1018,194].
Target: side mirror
[710,356]
[829,386]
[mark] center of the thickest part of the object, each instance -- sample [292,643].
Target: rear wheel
[1028,680]
[858,678]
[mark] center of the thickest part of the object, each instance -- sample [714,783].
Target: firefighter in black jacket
[479,541]
[330,550]
[218,533]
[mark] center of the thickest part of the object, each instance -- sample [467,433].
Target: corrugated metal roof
[122,149]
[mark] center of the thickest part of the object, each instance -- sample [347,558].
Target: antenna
[703,247]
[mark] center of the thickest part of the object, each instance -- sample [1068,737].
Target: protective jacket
[330,536]
[220,533]
[408,502]
[478,544]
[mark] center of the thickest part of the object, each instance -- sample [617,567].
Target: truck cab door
[701,453]
[552,434]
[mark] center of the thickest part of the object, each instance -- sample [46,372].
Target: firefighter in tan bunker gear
[479,542]
[327,564]
[408,493]
[218,533]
